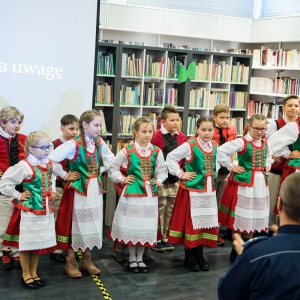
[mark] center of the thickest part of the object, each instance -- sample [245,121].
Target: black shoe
[168,246]
[39,282]
[190,261]
[5,262]
[30,285]
[59,257]
[142,267]
[135,269]
[202,263]
[158,247]
[233,255]
[119,256]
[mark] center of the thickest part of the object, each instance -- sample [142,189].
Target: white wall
[41,34]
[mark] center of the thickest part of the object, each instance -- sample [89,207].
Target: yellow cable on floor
[97,281]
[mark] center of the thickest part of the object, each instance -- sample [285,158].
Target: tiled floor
[167,278]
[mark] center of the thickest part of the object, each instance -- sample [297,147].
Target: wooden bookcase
[145,79]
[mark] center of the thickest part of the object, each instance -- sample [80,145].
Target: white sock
[139,254]
[132,254]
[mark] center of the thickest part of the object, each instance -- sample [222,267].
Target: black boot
[202,263]
[190,261]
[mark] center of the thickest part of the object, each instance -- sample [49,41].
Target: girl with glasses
[31,227]
[244,206]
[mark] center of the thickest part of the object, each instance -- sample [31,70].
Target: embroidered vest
[143,168]
[204,164]
[252,158]
[295,162]
[88,164]
[40,187]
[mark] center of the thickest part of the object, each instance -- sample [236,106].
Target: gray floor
[167,278]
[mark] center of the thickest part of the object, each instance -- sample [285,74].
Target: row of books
[104,93]
[270,110]
[266,56]
[238,123]
[220,71]
[286,85]
[154,67]
[105,63]
[130,95]
[262,84]
[240,73]
[131,66]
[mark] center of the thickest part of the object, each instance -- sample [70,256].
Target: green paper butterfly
[184,74]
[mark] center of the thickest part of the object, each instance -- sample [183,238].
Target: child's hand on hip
[129,179]
[238,169]
[188,176]
[25,196]
[73,175]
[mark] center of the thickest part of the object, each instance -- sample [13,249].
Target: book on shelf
[199,97]
[192,121]
[104,94]
[220,71]
[103,127]
[154,67]
[238,123]
[131,66]
[270,110]
[217,97]
[121,144]
[238,100]
[239,73]
[156,119]
[105,63]
[202,70]
[171,97]
[130,95]
[125,123]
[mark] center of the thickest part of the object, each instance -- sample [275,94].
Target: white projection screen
[47,59]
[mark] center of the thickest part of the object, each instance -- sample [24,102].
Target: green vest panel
[295,162]
[204,164]
[252,158]
[40,188]
[88,164]
[143,168]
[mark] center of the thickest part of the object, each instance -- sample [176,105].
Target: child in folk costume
[135,221]
[291,109]
[11,152]
[194,221]
[244,207]
[79,222]
[33,222]
[286,143]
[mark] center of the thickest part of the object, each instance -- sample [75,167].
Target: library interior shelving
[138,62]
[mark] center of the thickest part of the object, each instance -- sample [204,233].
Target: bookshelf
[145,79]
[275,75]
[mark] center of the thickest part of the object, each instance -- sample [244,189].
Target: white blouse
[161,170]
[285,136]
[16,174]
[184,152]
[226,151]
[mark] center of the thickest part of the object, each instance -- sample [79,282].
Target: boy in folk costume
[167,138]
[224,132]
[69,129]
[244,207]
[11,152]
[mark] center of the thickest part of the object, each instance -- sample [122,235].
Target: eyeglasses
[256,129]
[44,148]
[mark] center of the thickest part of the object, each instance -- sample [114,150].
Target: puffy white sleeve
[285,136]
[226,151]
[114,171]
[161,169]
[181,152]
[107,157]
[12,177]
[271,127]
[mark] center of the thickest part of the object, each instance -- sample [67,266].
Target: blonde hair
[221,108]
[10,112]
[138,122]
[88,116]
[33,139]
[259,117]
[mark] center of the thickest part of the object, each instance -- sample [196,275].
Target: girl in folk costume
[135,221]
[33,220]
[291,108]
[11,152]
[194,221]
[286,143]
[244,207]
[80,215]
